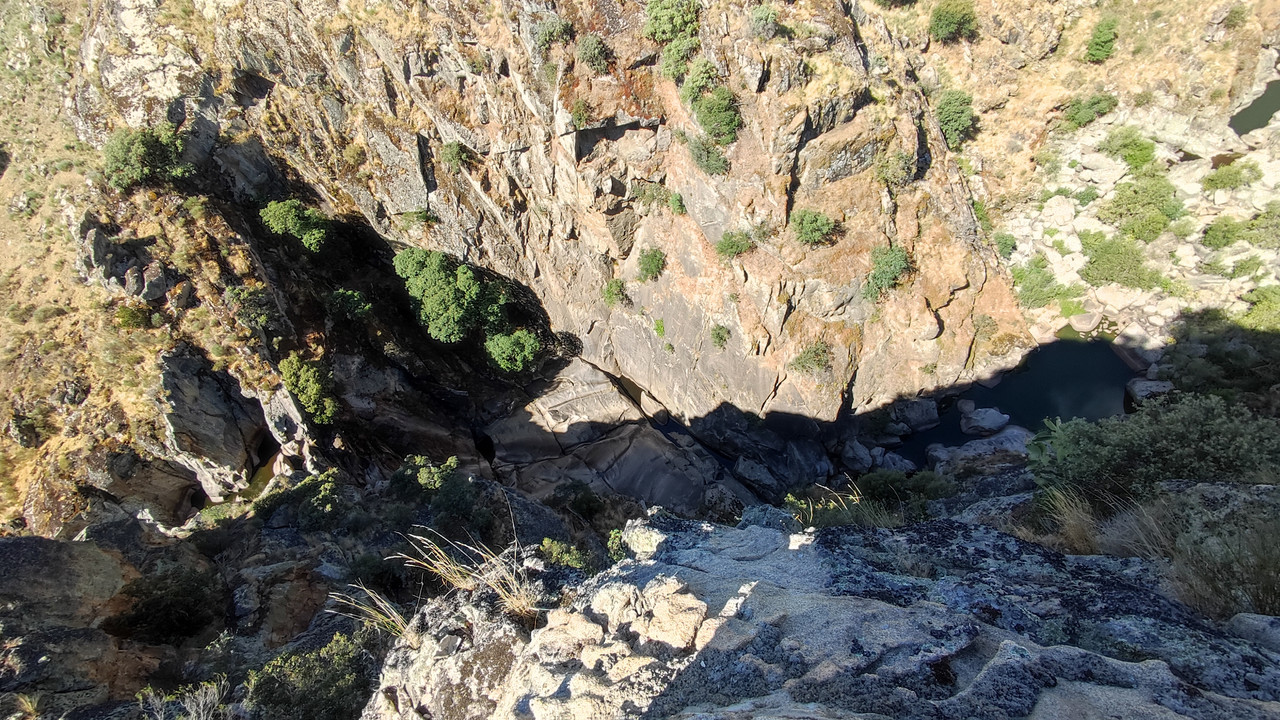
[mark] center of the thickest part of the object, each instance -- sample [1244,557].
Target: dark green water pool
[1258,113]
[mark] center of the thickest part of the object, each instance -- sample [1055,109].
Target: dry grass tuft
[478,568]
[378,611]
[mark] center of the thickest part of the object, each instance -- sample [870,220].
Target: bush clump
[896,169]
[1127,143]
[1102,43]
[709,158]
[888,265]
[1191,437]
[1083,110]
[665,20]
[1116,260]
[514,351]
[652,262]
[1238,174]
[253,307]
[764,21]
[1144,207]
[676,203]
[1037,287]
[719,336]
[452,301]
[456,156]
[717,113]
[813,359]
[812,227]
[329,683]
[615,292]
[676,54]
[1005,244]
[129,317]
[144,157]
[550,32]
[418,477]
[1223,232]
[564,554]
[734,243]
[351,304]
[312,384]
[1236,17]
[295,220]
[955,117]
[952,20]
[593,53]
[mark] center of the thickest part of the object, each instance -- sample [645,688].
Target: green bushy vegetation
[717,113]
[1116,260]
[419,477]
[1144,207]
[719,336]
[311,383]
[1236,17]
[667,20]
[293,219]
[144,157]
[580,114]
[812,227]
[1128,144]
[676,203]
[734,243]
[1102,43]
[1191,437]
[514,351]
[652,263]
[650,193]
[1264,230]
[702,78]
[1037,287]
[1086,195]
[452,301]
[1223,232]
[675,56]
[457,156]
[888,266]
[129,317]
[1238,174]
[764,21]
[660,327]
[1227,354]
[907,494]
[1264,311]
[615,292]
[333,682]
[709,158]
[593,53]
[549,32]
[895,169]
[351,304]
[981,215]
[455,509]
[1005,244]
[821,507]
[169,606]
[814,358]
[1081,110]
[562,553]
[952,20]
[955,117]
[253,308]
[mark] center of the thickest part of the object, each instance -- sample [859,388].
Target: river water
[1259,112]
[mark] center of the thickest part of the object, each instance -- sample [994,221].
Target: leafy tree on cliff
[451,299]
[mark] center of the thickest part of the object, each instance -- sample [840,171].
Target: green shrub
[676,54]
[513,352]
[676,203]
[955,117]
[732,244]
[652,262]
[1086,195]
[1238,174]
[717,113]
[1127,143]
[312,384]
[144,157]
[719,336]
[550,32]
[253,307]
[561,553]
[617,548]
[1037,286]
[814,358]
[129,317]
[982,216]
[820,507]
[419,477]
[896,169]
[812,227]
[764,21]
[1264,230]
[660,327]
[455,511]
[1144,207]
[452,301]
[593,53]
[168,607]
[1264,310]
[707,157]
[647,193]
[952,20]
[668,19]
[1005,244]
[329,683]
[1116,260]
[1192,437]
[457,156]
[909,494]
[580,114]
[321,503]
[1246,267]
[1223,232]
[1102,43]
[1083,110]
[1236,17]
[292,218]
[615,292]
[351,304]
[888,265]
[703,77]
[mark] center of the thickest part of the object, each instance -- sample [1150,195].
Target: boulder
[1003,451]
[856,457]
[1140,389]
[983,421]
[918,415]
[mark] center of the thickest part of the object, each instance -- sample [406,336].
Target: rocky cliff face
[938,620]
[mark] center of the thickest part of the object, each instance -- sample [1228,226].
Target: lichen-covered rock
[938,620]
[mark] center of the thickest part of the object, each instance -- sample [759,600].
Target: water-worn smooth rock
[983,421]
[938,620]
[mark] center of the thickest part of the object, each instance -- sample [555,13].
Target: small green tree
[513,352]
[764,21]
[295,220]
[652,262]
[895,169]
[702,78]
[1005,244]
[329,683]
[812,227]
[593,53]
[1223,231]
[1128,143]
[676,54]
[615,292]
[668,19]
[676,203]
[888,265]
[1234,176]
[312,384]
[955,117]
[717,113]
[451,299]
[1083,110]
[733,244]
[351,304]
[952,20]
[1103,41]
[144,157]
[719,336]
